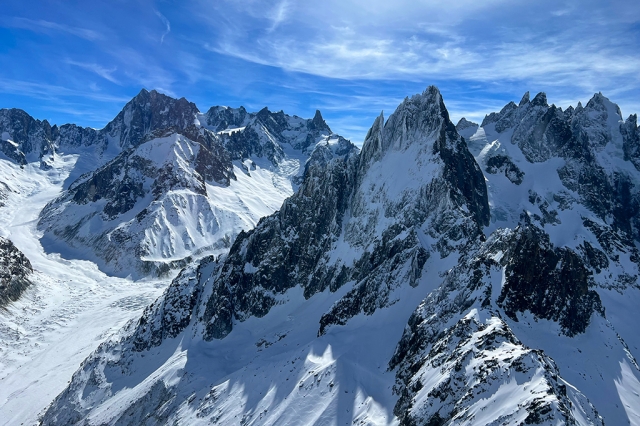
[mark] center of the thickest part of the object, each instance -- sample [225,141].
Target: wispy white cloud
[350,58]
[45,91]
[278,14]
[429,40]
[43,26]
[166,23]
[106,73]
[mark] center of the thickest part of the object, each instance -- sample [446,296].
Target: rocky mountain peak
[631,140]
[15,269]
[416,119]
[318,123]
[463,123]
[147,113]
[222,117]
[569,112]
[21,135]
[372,146]
[540,100]
[601,104]
[494,117]
[524,100]
[466,128]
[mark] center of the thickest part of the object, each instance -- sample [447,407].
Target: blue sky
[81,61]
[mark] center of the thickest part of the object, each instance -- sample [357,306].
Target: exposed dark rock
[464,124]
[631,140]
[503,164]
[221,118]
[168,316]
[551,283]
[299,234]
[15,269]
[149,112]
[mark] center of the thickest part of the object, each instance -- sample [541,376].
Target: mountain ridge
[166,212]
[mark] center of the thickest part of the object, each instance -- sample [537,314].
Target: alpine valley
[254,268]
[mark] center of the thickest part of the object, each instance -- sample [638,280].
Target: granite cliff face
[420,280]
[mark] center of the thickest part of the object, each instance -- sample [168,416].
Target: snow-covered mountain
[164,183]
[468,274]
[407,283]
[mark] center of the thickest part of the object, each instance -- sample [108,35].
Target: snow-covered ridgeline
[531,282]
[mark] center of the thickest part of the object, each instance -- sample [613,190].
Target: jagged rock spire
[372,146]
[540,100]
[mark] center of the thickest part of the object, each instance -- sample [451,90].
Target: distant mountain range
[164,181]
[441,275]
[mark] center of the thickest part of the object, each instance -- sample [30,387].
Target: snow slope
[70,308]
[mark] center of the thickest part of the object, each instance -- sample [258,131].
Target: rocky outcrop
[457,352]
[631,137]
[15,269]
[551,283]
[23,137]
[503,164]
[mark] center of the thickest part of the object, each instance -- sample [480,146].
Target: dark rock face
[631,137]
[168,316]
[463,172]
[221,118]
[503,164]
[259,263]
[147,113]
[27,134]
[4,190]
[15,269]
[551,283]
